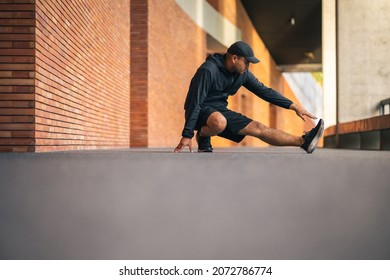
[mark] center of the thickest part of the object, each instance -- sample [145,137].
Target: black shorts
[235,122]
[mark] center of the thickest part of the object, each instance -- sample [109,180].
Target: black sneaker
[311,138]
[204,144]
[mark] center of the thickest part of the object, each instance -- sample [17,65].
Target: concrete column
[363,57]
[329,61]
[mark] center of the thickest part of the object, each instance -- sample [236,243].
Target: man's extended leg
[270,135]
[308,142]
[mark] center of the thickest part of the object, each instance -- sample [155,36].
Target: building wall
[86,93]
[17,76]
[82,74]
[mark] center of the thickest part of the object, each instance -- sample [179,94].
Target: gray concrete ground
[269,203]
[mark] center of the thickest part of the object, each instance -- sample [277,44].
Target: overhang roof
[291,30]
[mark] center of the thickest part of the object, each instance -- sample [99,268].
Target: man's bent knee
[217,122]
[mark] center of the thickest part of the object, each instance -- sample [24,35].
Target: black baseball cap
[240,48]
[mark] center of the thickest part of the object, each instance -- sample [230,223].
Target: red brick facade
[82,74]
[65,69]
[17,21]
[99,74]
[139,73]
[177,46]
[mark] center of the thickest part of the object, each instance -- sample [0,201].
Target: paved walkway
[270,203]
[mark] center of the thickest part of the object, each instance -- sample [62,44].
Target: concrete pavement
[265,203]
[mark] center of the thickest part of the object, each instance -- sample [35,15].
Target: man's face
[241,64]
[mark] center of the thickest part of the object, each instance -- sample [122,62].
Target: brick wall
[139,73]
[177,46]
[82,74]
[17,75]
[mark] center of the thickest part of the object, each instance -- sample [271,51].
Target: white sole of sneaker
[313,144]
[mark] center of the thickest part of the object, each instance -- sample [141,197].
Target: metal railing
[382,104]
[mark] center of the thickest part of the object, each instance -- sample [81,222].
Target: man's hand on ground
[184,142]
[301,112]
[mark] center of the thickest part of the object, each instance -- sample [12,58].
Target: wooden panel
[371,124]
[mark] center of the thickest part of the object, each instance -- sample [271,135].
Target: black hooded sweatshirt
[213,83]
